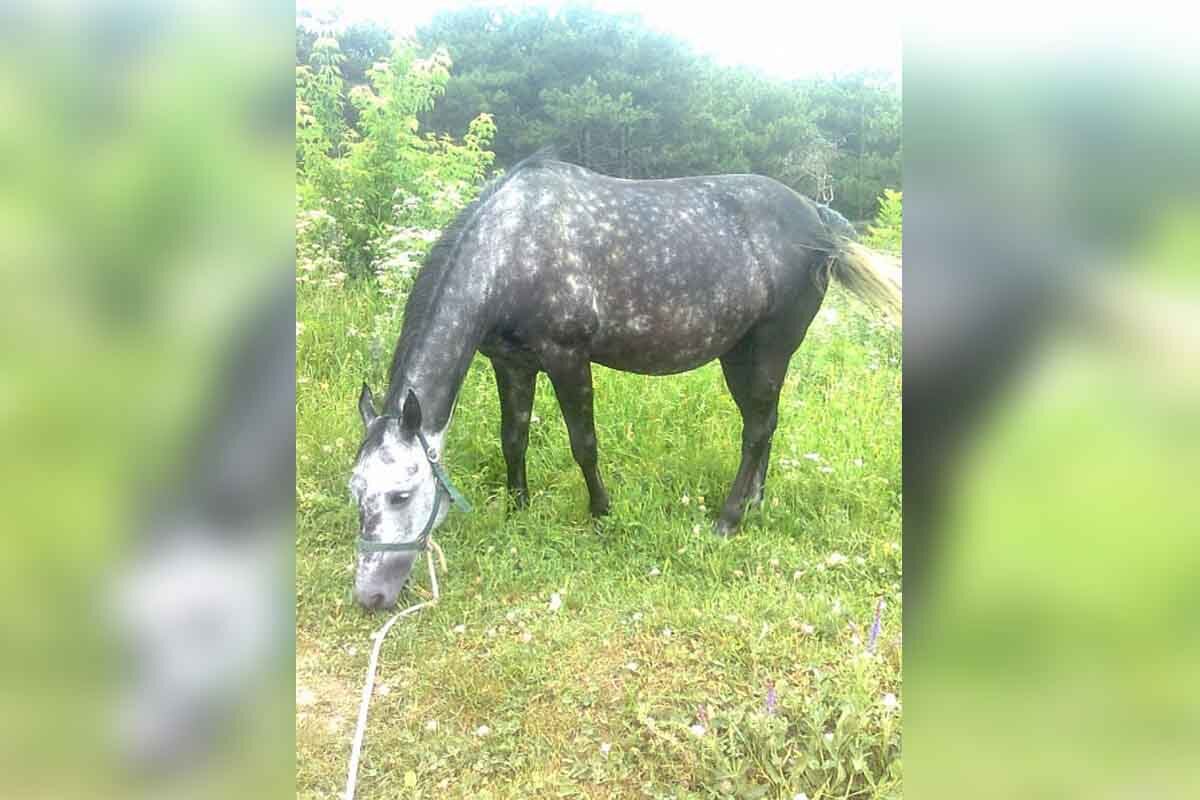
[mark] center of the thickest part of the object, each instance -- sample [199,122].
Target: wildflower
[836,559]
[858,462]
[555,601]
[685,499]
[807,629]
[482,730]
[305,697]
[460,628]
[667,633]
[384,689]
[825,469]
[526,637]
[772,698]
[889,701]
[697,729]
[605,747]
[829,737]
[696,529]
[637,616]
[800,796]
[632,666]
[431,725]
[813,456]
[654,573]
[875,626]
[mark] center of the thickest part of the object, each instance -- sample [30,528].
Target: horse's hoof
[599,511]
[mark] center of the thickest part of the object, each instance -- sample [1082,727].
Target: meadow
[633,656]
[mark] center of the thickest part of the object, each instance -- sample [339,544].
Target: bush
[372,195]
[886,232]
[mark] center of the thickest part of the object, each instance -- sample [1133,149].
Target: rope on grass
[368,687]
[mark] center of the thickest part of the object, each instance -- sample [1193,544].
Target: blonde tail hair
[874,277]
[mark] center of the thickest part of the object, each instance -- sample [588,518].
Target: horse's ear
[366,405]
[410,417]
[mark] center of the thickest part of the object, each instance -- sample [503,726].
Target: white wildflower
[555,601]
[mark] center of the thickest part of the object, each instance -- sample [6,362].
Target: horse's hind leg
[571,375]
[754,379]
[517,385]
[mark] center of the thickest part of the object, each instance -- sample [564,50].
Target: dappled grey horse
[555,267]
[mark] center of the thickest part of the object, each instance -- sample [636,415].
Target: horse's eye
[397,498]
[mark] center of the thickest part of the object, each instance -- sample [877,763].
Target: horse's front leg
[517,385]
[571,374]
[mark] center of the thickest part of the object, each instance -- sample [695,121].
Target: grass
[651,680]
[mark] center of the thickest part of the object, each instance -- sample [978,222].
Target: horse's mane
[431,278]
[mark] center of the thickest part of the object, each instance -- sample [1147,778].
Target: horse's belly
[668,341]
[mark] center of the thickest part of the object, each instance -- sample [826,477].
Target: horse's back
[651,276]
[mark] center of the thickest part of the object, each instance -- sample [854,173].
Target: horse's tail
[870,275]
[874,277]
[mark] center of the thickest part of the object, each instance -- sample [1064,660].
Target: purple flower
[875,627]
[772,698]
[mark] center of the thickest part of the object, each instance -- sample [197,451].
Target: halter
[442,481]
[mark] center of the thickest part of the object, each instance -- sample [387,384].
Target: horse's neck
[437,363]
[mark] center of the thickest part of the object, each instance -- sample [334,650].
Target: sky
[783,39]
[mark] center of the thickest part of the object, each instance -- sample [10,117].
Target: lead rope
[368,687]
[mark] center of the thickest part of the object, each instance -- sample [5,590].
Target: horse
[555,267]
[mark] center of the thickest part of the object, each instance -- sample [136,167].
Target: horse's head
[397,493]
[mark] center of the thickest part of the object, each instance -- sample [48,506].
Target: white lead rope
[361,729]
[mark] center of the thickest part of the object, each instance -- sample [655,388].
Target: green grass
[662,626]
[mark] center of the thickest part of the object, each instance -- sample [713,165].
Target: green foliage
[613,95]
[373,191]
[885,233]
